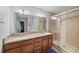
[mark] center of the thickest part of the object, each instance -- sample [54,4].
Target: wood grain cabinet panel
[45,49]
[45,44]
[38,43]
[11,45]
[38,49]
[15,50]
[37,40]
[50,37]
[26,42]
[27,48]
[50,42]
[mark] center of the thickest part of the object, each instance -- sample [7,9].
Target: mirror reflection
[30,23]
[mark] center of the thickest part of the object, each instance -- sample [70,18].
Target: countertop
[24,37]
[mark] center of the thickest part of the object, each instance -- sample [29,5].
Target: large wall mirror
[30,23]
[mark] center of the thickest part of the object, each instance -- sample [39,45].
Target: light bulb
[20,11]
[26,12]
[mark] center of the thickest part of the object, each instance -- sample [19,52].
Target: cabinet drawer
[26,42]
[15,50]
[44,37]
[38,49]
[50,36]
[11,45]
[38,43]
[37,40]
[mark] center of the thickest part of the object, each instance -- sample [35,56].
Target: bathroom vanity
[33,43]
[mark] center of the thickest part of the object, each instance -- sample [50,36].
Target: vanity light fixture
[22,11]
[26,12]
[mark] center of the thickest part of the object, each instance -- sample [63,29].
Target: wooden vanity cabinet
[36,45]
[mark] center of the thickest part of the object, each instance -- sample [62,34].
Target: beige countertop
[24,37]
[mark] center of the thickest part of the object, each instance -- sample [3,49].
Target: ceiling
[57,9]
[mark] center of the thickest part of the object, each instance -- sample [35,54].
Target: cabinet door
[50,37]
[28,48]
[45,44]
[50,42]
[15,50]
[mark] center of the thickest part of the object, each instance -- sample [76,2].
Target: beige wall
[72,28]
[71,21]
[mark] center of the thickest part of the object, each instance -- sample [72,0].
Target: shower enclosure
[66,31]
[54,27]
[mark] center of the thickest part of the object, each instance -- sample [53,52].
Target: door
[22,26]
